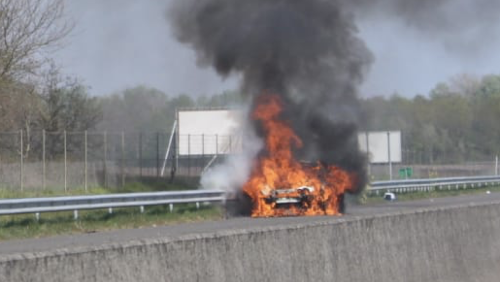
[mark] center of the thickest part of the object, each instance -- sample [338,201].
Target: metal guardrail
[412,185]
[109,201]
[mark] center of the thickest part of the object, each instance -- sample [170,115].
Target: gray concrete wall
[453,244]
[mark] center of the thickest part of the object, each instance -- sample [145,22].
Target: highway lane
[171,232]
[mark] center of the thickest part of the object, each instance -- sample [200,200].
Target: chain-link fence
[70,160]
[79,160]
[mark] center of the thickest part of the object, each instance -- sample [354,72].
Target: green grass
[26,226]
[144,185]
[410,196]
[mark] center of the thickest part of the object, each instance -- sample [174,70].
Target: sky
[118,44]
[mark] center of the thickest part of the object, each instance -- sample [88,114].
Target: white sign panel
[380,145]
[209,132]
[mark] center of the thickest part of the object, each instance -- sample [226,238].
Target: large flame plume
[276,169]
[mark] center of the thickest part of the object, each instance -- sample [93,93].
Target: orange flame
[277,171]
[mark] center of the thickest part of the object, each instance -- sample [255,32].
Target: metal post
[389,154]
[216,144]
[85,161]
[105,173]
[368,153]
[122,168]
[496,165]
[21,176]
[43,160]
[168,147]
[203,148]
[189,154]
[175,163]
[65,164]
[157,154]
[140,154]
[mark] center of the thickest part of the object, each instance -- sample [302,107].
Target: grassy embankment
[26,226]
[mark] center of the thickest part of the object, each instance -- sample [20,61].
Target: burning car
[316,189]
[301,197]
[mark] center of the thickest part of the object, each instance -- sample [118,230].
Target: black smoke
[308,52]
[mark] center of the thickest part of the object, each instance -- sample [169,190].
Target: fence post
[496,165]
[389,154]
[105,153]
[202,151]
[189,154]
[65,164]
[21,176]
[369,167]
[85,161]
[157,154]
[140,154]
[123,160]
[43,160]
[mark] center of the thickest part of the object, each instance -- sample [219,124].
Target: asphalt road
[69,242]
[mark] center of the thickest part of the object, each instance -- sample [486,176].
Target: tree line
[456,122]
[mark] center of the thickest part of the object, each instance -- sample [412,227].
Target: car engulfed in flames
[279,185]
[286,197]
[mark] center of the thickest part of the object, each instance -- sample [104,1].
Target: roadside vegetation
[49,224]
[420,195]
[89,221]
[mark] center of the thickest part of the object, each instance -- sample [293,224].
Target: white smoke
[232,174]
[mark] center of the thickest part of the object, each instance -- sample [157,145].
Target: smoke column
[305,51]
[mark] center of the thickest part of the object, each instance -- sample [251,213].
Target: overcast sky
[123,43]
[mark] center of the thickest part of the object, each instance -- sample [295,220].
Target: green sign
[405,172]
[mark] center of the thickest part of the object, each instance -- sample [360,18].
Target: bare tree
[28,29]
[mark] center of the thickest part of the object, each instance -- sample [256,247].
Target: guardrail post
[110,210]
[37,216]
[197,205]
[142,209]
[75,214]
[171,207]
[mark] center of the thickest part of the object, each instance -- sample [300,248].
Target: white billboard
[380,145]
[209,132]
[217,131]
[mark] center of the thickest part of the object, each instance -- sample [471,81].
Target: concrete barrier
[447,244]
